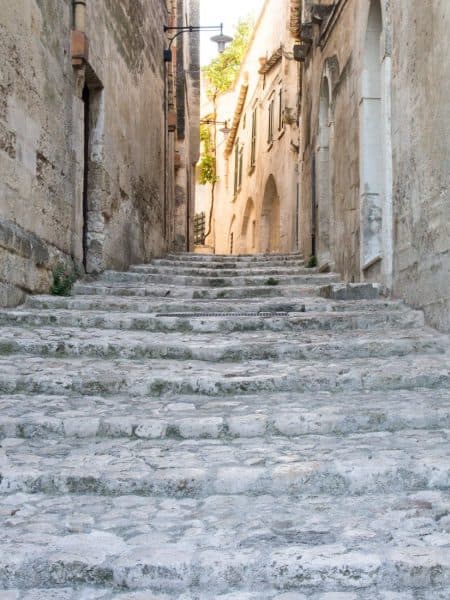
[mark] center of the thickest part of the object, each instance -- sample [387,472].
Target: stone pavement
[230,428]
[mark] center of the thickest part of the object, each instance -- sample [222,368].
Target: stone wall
[37,149]
[421,156]
[187,142]
[127,151]
[104,203]
[375,124]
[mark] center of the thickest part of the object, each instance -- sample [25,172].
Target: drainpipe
[79,42]
[79,15]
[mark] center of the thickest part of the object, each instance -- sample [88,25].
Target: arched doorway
[323,200]
[375,154]
[248,231]
[232,236]
[270,218]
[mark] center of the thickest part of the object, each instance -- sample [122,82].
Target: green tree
[207,163]
[221,74]
[222,70]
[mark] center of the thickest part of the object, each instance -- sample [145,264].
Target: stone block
[350,291]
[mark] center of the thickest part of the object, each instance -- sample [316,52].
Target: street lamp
[224,130]
[221,39]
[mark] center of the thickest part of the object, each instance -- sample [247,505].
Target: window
[238,166]
[241,166]
[253,151]
[280,110]
[270,123]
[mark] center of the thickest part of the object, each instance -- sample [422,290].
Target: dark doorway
[87,117]
[313,206]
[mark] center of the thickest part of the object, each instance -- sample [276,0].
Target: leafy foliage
[207,169]
[312,262]
[207,163]
[272,281]
[222,71]
[63,280]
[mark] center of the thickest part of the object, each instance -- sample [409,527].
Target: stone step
[243,416]
[202,271]
[27,373]
[184,322]
[223,547]
[363,463]
[219,347]
[218,282]
[237,258]
[227,265]
[102,593]
[196,293]
[167,305]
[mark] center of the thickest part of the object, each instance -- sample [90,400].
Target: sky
[228,12]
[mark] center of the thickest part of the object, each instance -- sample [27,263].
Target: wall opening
[93,188]
[323,175]
[86,100]
[232,236]
[270,218]
[248,226]
[372,164]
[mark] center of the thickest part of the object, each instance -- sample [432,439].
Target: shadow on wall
[270,218]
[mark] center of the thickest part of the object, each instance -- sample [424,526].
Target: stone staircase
[230,428]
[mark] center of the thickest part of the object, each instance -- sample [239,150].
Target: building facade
[375,144]
[256,201]
[89,134]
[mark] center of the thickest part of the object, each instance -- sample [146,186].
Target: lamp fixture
[221,39]
[225,130]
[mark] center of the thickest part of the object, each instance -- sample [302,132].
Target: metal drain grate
[261,315]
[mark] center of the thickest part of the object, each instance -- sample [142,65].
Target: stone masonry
[233,428]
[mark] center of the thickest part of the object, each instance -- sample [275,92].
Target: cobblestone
[222,458]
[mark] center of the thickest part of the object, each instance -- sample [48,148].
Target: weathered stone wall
[129,154]
[421,156]
[42,140]
[334,71]
[188,125]
[375,124]
[37,175]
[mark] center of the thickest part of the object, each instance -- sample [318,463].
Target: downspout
[79,15]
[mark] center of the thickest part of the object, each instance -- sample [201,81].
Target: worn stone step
[219,347]
[184,322]
[102,593]
[27,373]
[236,258]
[188,270]
[229,545]
[155,305]
[218,282]
[227,263]
[196,293]
[363,463]
[243,416]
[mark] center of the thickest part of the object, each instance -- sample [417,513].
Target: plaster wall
[276,161]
